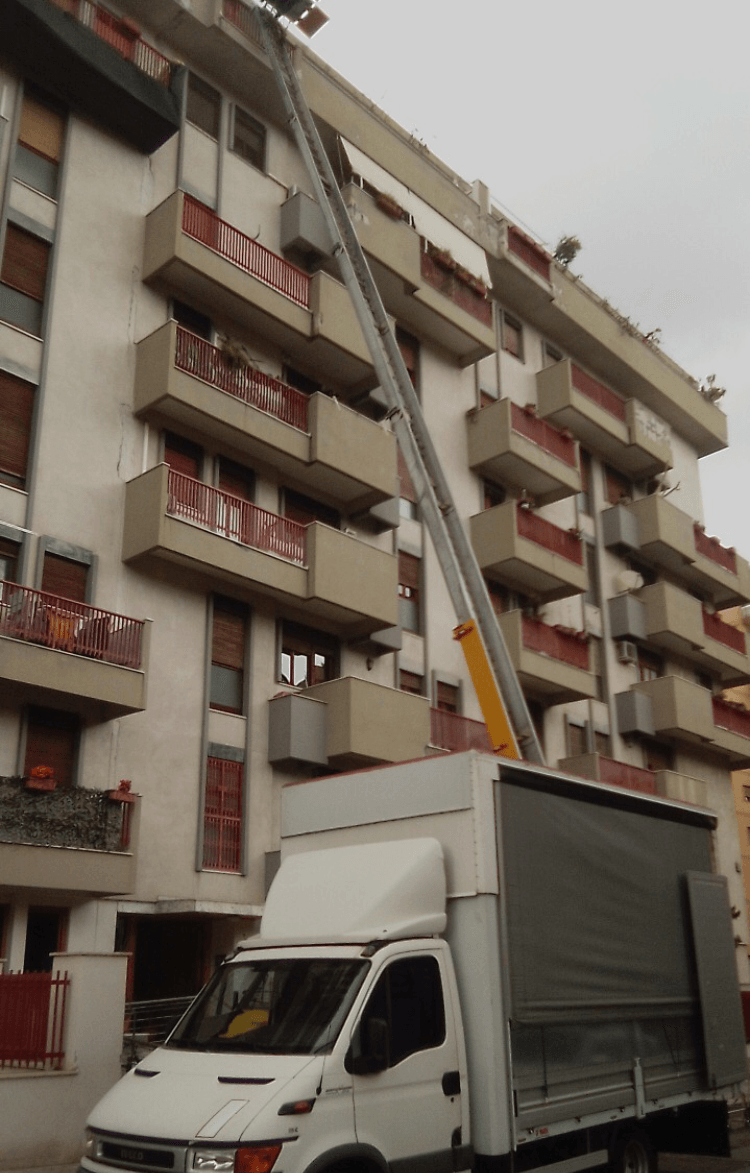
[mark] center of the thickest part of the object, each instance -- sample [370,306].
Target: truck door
[404,1064]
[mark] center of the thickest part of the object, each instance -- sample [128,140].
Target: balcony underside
[499,452]
[72,62]
[519,563]
[98,691]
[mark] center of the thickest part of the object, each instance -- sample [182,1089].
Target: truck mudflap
[701,1128]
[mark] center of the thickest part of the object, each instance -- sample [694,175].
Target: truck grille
[131,1155]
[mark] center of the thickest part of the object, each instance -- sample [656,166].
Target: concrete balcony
[97,64]
[191,251]
[515,447]
[676,621]
[517,547]
[455,733]
[71,840]
[670,539]
[602,769]
[423,296]
[69,655]
[551,664]
[218,538]
[348,723]
[314,440]
[623,431]
[687,715]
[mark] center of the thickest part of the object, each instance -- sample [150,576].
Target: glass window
[228,637]
[409,569]
[248,138]
[411,682]
[40,140]
[409,1000]
[512,337]
[203,105]
[23,279]
[16,412]
[307,657]
[9,555]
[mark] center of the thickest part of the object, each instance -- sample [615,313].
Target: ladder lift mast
[502,702]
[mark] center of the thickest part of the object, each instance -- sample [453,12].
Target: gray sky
[625,125]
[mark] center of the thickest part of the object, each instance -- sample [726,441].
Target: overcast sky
[627,125]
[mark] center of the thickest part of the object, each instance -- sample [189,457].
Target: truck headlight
[92,1144]
[247,1159]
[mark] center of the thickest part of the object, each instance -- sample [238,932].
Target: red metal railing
[597,392]
[32,1019]
[199,358]
[630,777]
[67,626]
[726,716]
[203,225]
[243,18]
[191,500]
[546,435]
[461,294]
[713,549]
[544,533]
[553,641]
[529,252]
[121,35]
[455,733]
[723,632]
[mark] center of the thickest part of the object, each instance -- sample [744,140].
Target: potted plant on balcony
[390,206]
[442,258]
[40,778]
[123,792]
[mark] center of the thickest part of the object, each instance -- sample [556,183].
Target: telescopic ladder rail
[461,571]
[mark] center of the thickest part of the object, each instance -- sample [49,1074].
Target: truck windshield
[292,1006]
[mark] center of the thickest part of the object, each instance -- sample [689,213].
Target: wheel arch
[349,1158]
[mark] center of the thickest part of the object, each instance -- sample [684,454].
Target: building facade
[215,576]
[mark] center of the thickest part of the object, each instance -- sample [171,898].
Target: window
[602,743]
[657,756]
[248,138]
[16,412]
[203,105]
[183,455]
[551,355]
[40,142]
[304,510]
[52,740]
[409,999]
[65,577]
[301,382]
[192,320]
[412,682]
[9,555]
[228,638]
[447,697]
[409,347]
[575,736]
[617,487]
[650,666]
[307,657]
[512,337]
[23,279]
[584,500]
[222,816]
[46,933]
[493,494]
[236,479]
[593,592]
[409,591]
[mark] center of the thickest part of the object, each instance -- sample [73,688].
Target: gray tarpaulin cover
[597,909]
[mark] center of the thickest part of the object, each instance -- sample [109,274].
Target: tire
[632,1152]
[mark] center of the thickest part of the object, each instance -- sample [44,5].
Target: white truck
[464,962]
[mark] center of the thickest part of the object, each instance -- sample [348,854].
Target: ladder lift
[503,705]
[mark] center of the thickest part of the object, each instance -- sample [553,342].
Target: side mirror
[368,1053]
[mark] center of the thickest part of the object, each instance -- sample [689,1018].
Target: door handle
[451,1083]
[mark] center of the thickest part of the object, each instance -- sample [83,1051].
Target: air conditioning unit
[627,651]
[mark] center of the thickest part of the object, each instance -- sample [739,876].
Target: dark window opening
[249,138]
[203,105]
[183,455]
[10,552]
[192,319]
[52,740]
[302,509]
[409,1000]
[494,494]
[46,933]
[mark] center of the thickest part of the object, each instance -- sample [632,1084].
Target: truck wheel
[632,1152]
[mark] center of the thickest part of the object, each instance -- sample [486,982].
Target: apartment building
[215,576]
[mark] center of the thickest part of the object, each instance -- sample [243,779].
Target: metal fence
[122,35]
[32,1019]
[544,533]
[67,626]
[540,432]
[451,731]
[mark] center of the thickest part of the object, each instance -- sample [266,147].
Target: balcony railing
[548,437]
[727,716]
[569,647]
[713,549]
[529,252]
[66,626]
[446,281]
[544,533]
[212,509]
[32,1019]
[243,18]
[629,777]
[455,733]
[121,35]
[199,358]
[203,225]
[70,816]
[598,393]
[723,632]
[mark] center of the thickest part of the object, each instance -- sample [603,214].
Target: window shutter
[41,129]
[51,740]
[447,697]
[408,570]
[16,407]
[25,262]
[183,456]
[228,640]
[63,576]
[235,480]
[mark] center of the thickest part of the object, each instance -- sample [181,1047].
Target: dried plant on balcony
[71,817]
[710,391]
[235,354]
[567,249]
[390,206]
